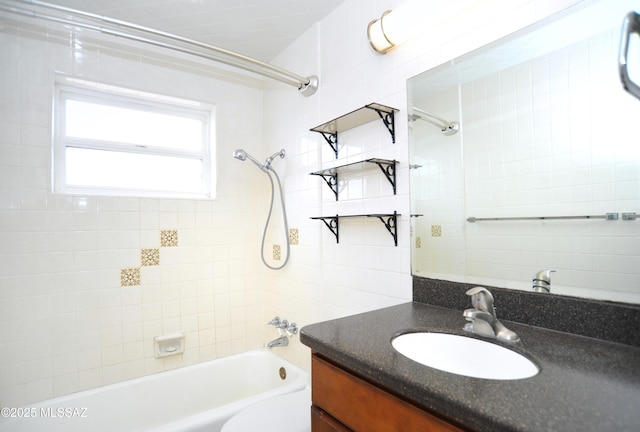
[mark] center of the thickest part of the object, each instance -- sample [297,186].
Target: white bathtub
[195,398]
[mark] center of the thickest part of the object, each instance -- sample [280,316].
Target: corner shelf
[330,175]
[388,219]
[366,114]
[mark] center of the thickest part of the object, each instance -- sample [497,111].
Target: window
[114,141]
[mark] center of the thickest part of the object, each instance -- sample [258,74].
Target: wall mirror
[525,156]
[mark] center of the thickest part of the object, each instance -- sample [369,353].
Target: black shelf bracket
[388,168]
[390,223]
[332,139]
[331,179]
[388,118]
[332,223]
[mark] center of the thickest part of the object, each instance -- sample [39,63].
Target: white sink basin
[464,356]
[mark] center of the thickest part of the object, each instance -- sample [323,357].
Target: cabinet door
[323,422]
[362,406]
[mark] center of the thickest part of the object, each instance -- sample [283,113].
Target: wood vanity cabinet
[345,402]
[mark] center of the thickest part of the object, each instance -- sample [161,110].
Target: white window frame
[75,89]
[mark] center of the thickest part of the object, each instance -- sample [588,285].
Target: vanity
[585,382]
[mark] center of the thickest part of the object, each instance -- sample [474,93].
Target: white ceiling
[257,28]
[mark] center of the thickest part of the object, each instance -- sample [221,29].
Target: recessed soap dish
[168,345]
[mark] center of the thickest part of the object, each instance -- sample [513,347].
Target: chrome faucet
[289,330]
[542,281]
[282,341]
[482,317]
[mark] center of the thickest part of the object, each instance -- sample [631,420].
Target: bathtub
[195,398]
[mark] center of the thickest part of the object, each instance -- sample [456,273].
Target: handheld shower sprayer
[242,155]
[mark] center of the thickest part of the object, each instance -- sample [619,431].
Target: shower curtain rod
[305,85]
[447,127]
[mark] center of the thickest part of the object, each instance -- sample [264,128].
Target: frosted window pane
[123,125]
[99,168]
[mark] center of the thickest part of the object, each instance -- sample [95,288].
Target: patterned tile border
[294,236]
[168,238]
[276,252]
[150,257]
[436,230]
[130,277]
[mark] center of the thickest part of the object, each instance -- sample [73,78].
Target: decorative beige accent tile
[150,257]
[436,230]
[294,237]
[418,242]
[129,277]
[276,252]
[168,238]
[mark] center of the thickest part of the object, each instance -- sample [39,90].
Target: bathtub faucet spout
[282,341]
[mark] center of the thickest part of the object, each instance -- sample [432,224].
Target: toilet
[285,413]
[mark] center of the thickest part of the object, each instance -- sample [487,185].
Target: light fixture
[378,37]
[410,19]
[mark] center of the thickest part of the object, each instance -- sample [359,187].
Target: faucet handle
[482,299]
[478,289]
[283,324]
[275,321]
[291,329]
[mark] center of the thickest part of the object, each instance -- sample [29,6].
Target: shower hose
[268,171]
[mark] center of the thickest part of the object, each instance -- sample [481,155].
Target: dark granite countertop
[584,384]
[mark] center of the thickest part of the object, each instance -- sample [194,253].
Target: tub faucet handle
[283,324]
[275,321]
[291,329]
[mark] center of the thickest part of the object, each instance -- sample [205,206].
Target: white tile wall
[67,325]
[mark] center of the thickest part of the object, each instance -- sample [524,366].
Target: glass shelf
[330,175]
[366,114]
[388,219]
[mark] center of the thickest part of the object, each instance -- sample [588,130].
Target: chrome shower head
[243,156]
[240,154]
[267,163]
